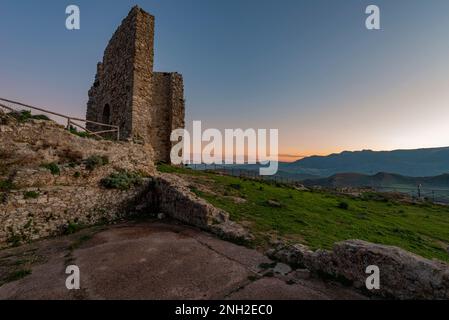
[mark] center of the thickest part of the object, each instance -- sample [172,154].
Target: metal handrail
[70,120]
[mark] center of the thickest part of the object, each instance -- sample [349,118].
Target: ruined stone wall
[159,129]
[56,207]
[122,65]
[172,196]
[146,105]
[177,102]
[143,70]
[167,112]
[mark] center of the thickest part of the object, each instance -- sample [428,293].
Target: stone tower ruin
[146,105]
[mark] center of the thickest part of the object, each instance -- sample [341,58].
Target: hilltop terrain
[319,219]
[62,185]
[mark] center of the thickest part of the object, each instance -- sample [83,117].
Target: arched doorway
[106,119]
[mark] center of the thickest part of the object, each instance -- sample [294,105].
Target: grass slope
[320,219]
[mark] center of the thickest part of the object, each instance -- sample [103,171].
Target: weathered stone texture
[111,96]
[75,194]
[56,207]
[168,112]
[146,105]
[26,146]
[142,76]
[403,275]
[173,197]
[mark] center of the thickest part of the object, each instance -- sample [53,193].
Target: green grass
[319,219]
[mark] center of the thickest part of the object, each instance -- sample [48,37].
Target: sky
[309,68]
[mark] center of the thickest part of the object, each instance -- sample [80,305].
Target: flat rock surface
[151,260]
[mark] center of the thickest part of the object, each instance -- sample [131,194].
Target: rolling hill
[381,179]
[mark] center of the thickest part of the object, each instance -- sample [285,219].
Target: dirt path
[153,260]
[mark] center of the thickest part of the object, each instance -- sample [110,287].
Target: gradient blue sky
[307,67]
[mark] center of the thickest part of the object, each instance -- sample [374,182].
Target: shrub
[30,195]
[96,161]
[73,227]
[40,117]
[236,186]
[122,180]
[6,185]
[77,174]
[343,205]
[24,115]
[82,134]
[14,240]
[53,167]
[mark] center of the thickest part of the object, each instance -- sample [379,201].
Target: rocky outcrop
[403,275]
[54,210]
[174,198]
[36,202]
[25,147]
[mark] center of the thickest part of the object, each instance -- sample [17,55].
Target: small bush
[14,240]
[343,205]
[77,174]
[73,227]
[195,190]
[24,115]
[82,134]
[53,167]
[96,161]
[122,180]
[6,185]
[236,186]
[30,195]
[40,117]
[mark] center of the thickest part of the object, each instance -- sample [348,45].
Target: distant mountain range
[411,163]
[392,169]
